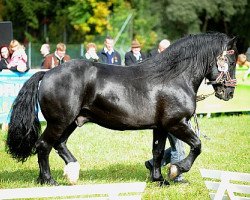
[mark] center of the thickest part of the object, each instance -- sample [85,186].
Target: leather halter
[224,77]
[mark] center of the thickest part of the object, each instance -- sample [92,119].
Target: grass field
[108,156]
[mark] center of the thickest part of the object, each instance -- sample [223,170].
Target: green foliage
[193,16]
[24,15]
[90,17]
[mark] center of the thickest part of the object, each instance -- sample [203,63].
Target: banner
[10,84]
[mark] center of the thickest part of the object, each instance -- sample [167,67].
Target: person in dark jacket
[108,54]
[135,55]
[5,57]
[161,47]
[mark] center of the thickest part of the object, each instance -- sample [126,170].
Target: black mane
[194,51]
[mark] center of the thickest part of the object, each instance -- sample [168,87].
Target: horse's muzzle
[224,93]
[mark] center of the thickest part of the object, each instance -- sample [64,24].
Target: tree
[90,17]
[24,17]
[191,16]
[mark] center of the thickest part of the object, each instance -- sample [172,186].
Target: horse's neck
[194,80]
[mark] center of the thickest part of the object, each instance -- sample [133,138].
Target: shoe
[149,166]
[182,181]
[164,183]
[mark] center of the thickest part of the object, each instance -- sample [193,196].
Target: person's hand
[21,68]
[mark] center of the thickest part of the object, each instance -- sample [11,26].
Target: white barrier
[222,184]
[115,191]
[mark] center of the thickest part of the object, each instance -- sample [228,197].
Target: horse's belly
[121,120]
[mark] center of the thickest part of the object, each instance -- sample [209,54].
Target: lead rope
[196,129]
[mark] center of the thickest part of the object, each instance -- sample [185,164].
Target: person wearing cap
[134,55]
[161,47]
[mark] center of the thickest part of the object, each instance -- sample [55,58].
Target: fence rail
[114,191]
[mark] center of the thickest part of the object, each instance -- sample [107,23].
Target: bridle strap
[229,82]
[224,77]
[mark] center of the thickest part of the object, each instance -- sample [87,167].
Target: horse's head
[222,73]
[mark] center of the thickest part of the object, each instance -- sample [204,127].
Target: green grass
[108,156]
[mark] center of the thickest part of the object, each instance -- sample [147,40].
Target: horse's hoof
[173,172]
[71,172]
[159,179]
[164,183]
[44,181]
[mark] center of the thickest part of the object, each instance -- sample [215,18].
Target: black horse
[158,94]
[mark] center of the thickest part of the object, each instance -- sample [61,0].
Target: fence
[224,185]
[114,191]
[35,57]
[73,50]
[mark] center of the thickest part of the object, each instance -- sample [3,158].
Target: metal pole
[123,27]
[29,54]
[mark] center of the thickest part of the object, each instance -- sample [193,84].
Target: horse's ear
[232,43]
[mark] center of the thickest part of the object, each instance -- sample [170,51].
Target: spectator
[45,50]
[18,60]
[135,55]
[248,53]
[5,57]
[56,58]
[91,52]
[242,61]
[176,152]
[108,54]
[173,154]
[161,47]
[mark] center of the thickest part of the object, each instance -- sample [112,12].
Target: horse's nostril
[231,94]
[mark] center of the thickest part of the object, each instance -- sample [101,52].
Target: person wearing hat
[134,55]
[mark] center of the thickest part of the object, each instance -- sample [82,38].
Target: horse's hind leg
[183,132]
[159,141]
[72,168]
[43,148]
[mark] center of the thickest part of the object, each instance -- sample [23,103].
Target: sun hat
[135,44]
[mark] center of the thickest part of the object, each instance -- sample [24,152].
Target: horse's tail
[24,126]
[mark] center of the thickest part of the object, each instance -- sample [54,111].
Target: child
[18,60]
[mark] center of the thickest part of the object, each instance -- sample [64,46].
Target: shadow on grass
[116,172]
[109,174]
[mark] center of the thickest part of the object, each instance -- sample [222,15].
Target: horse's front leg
[185,133]
[159,141]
